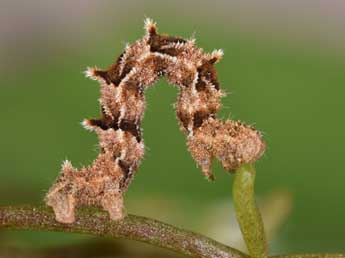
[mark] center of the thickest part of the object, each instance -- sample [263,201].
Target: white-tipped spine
[217,54]
[149,25]
[90,73]
[85,123]
[66,164]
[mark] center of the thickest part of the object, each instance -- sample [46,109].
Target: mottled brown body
[122,104]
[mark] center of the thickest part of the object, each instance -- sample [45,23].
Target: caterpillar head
[232,143]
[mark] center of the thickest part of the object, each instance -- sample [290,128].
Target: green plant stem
[247,213]
[133,227]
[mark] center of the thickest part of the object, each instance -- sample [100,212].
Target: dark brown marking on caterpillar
[184,119]
[159,43]
[200,85]
[112,75]
[131,127]
[208,71]
[125,125]
[104,75]
[103,124]
[125,168]
[200,117]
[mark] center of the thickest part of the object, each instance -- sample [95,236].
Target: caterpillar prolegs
[122,102]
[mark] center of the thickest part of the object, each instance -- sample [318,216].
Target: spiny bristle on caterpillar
[216,55]
[150,26]
[122,103]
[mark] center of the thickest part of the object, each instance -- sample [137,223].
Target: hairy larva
[122,102]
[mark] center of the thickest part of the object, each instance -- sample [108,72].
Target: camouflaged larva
[122,102]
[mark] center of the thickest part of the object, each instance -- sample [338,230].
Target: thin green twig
[247,212]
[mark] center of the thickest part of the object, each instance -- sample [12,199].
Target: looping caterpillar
[122,104]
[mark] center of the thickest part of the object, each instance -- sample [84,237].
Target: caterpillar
[122,103]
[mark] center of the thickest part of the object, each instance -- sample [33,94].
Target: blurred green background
[283,70]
